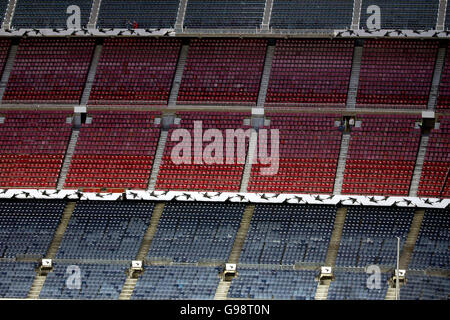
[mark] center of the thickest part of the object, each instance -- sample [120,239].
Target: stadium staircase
[6,25]
[265,76]
[91,75]
[158,157]
[180,16]
[267,14]
[94,14]
[356,18]
[224,286]
[40,277]
[438,67]
[249,161]
[441,15]
[408,247]
[341,164]
[241,234]
[418,167]
[354,78]
[7,70]
[178,75]
[67,159]
[330,260]
[130,282]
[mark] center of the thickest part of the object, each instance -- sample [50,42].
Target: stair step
[241,234]
[157,162]
[91,75]
[249,161]
[339,180]
[415,180]
[265,76]
[354,78]
[178,75]
[67,159]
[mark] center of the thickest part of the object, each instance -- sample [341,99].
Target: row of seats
[369,236]
[353,286]
[198,175]
[308,155]
[283,234]
[115,150]
[33,147]
[434,181]
[381,155]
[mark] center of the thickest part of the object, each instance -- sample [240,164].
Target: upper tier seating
[133,70]
[435,179]
[443,101]
[98,281]
[222,14]
[3,7]
[422,287]
[273,284]
[147,14]
[27,228]
[49,70]
[381,155]
[353,286]
[48,13]
[115,151]
[308,155]
[432,245]
[306,72]
[99,230]
[284,234]
[33,144]
[369,236]
[311,14]
[396,73]
[402,14]
[177,283]
[16,279]
[222,71]
[205,176]
[195,232]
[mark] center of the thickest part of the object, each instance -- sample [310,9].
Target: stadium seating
[207,177]
[351,285]
[273,284]
[287,235]
[99,230]
[48,14]
[27,228]
[396,74]
[402,14]
[434,181]
[3,7]
[443,100]
[369,236]
[4,49]
[308,155]
[311,14]
[146,14]
[49,70]
[381,155]
[177,283]
[306,72]
[33,147]
[16,279]
[224,14]
[115,151]
[431,249]
[195,232]
[135,71]
[222,71]
[422,287]
[98,281]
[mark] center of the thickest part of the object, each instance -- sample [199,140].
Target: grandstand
[224,150]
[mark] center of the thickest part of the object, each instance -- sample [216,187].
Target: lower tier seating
[273,284]
[98,230]
[353,286]
[177,283]
[422,287]
[16,279]
[96,281]
[195,232]
[287,235]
